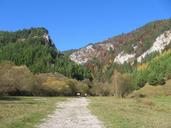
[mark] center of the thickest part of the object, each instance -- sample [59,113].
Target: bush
[102,89]
[16,80]
[58,85]
[122,84]
[96,89]
[168,72]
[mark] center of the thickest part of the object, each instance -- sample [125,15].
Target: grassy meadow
[154,112]
[25,112]
[150,112]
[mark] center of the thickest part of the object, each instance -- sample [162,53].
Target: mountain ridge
[140,39]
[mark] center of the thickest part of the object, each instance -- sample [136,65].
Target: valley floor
[25,112]
[133,113]
[93,112]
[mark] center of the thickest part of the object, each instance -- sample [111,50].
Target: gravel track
[72,113]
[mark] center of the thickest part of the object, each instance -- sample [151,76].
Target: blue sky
[75,23]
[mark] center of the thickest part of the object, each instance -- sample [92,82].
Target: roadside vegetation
[25,112]
[151,112]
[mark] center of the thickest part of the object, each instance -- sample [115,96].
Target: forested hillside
[35,49]
[128,62]
[155,72]
[125,51]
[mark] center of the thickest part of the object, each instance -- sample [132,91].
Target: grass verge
[25,112]
[154,112]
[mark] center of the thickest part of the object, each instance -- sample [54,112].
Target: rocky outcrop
[159,45]
[89,52]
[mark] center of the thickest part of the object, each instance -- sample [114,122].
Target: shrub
[168,72]
[58,85]
[122,84]
[16,80]
[96,89]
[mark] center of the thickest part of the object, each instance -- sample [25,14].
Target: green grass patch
[25,112]
[154,112]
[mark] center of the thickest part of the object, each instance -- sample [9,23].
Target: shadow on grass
[17,100]
[9,98]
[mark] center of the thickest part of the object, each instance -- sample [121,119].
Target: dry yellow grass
[154,112]
[25,112]
[142,67]
[149,90]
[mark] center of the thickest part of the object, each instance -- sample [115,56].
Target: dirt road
[72,113]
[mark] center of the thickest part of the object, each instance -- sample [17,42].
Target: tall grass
[133,113]
[25,112]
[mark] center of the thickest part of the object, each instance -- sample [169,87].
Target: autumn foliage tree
[122,84]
